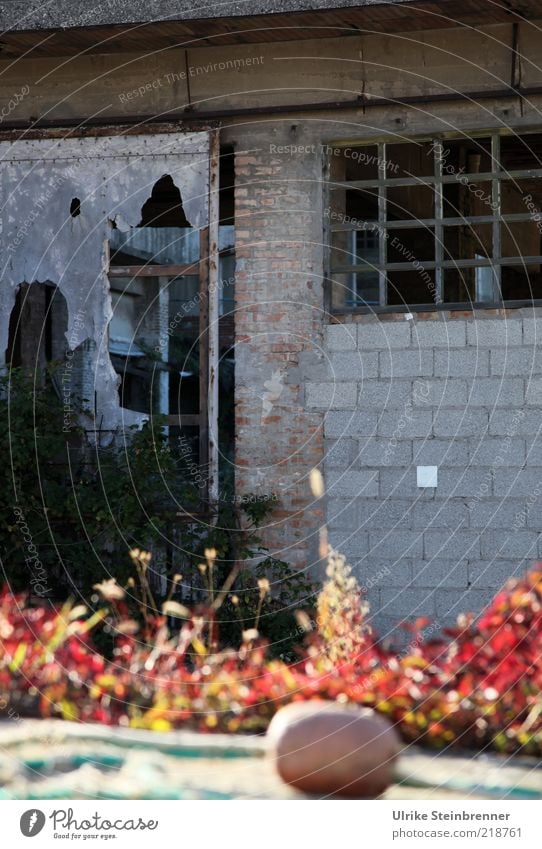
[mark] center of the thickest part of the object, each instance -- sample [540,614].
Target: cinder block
[512,362]
[314,365]
[514,483]
[340,424]
[438,334]
[340,453]
[401,363]
[352,543]
[398,482]
[497,451]
[353,366]
[533,391]
[383,335]
[376,514]
[533,450]
[495,392]
[460,423]
[515,422]
[496,513]
[395,543]
[384,394]
[466,363]
[451,545]
[379,452]
[405,424]
[445,513]
[407,604]
[476,483]
[504,332]
[441,573]
[450,603]
[341,337]
[440,452]
[342,514]
[509,544]
[338,396]
[493,574]
[352,484]
[383,574]
[388,628]
[532,331]
[440,393]
[531,509]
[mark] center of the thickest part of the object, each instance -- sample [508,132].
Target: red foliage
[480,687]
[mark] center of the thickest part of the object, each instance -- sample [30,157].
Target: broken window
[435,222]
[158,334]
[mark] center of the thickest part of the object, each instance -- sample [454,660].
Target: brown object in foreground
[325,749]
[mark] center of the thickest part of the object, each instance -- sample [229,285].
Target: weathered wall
[452,391]
[40,241]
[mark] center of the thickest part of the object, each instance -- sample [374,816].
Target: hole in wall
[37,328]
[75,207]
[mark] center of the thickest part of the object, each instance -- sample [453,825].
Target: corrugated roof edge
[18,15]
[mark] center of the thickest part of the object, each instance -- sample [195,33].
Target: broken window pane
[411,159]
[519,153]
[411,287]
[521,238]
[522,196]
[521,282]
[464,200]
[354,163]
[471,241]
[409,245]
[405,202]
[473,285]
[163,236]
[466,156]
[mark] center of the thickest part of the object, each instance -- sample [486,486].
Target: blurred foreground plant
[479,686]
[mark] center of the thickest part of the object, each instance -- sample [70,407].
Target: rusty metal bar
[204,360]
[177,120]
[214,316]
[153,270]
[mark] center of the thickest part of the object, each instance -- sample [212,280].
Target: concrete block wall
[460,391]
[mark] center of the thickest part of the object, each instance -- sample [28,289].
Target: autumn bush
[476,686]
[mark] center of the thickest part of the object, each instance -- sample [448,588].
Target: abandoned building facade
[309,238]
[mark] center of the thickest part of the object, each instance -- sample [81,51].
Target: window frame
[438,223]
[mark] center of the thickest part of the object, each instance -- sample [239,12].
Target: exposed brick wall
[278,324]
[460,393]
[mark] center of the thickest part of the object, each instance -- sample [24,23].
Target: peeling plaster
[41,242]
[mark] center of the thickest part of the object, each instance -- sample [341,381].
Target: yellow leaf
[161,725]
[18,657]
[92,621]
[69,711]
[199,647]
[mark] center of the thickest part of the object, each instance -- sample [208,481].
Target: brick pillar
[278,319]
